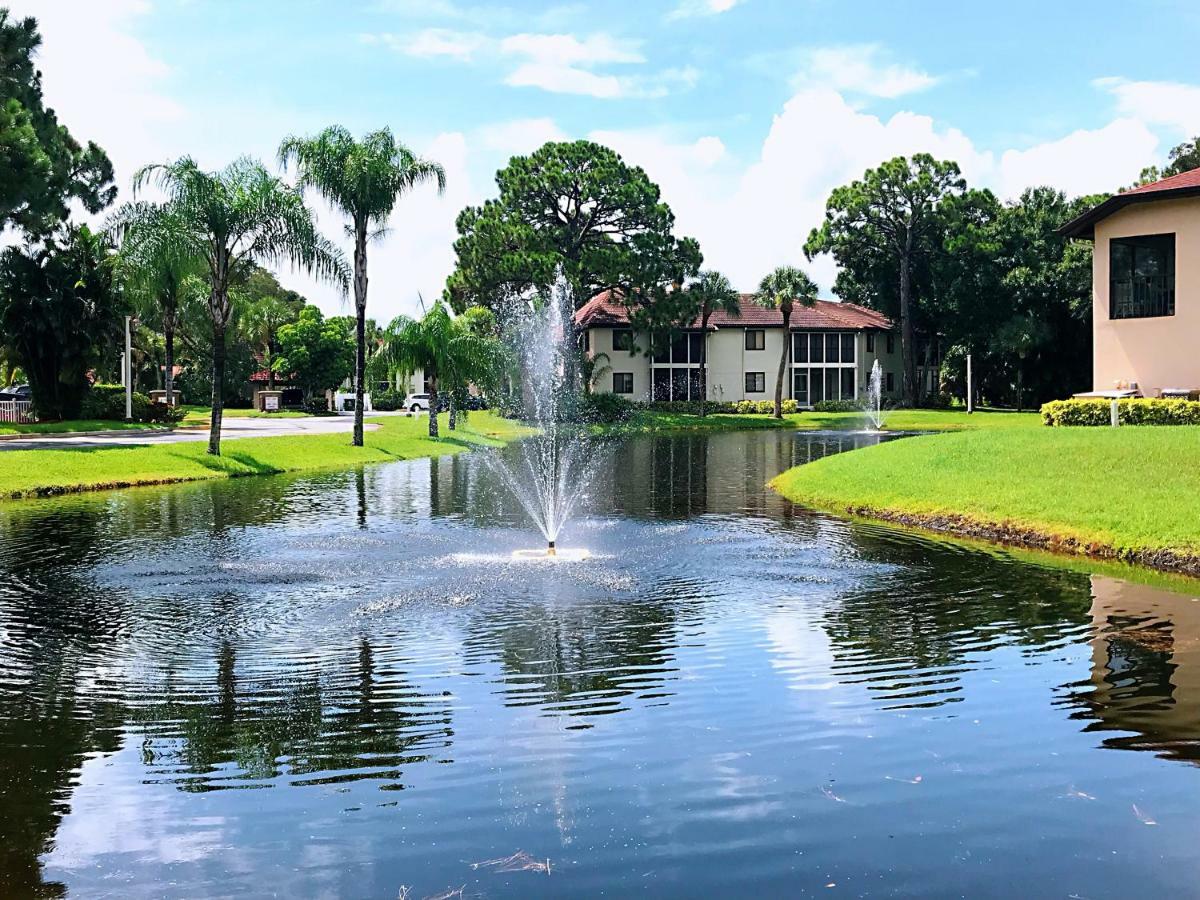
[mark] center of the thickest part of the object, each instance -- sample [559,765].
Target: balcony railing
[1142,297]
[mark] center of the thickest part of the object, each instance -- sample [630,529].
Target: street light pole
[970,387]
[128,373]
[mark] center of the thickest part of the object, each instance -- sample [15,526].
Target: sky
[745,112]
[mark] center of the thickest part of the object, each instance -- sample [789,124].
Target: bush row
[107,401]
[1088,411]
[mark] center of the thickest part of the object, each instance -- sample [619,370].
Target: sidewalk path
[231,428]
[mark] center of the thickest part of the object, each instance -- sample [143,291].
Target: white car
[416,403]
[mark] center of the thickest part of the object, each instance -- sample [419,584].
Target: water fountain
[873,404]
[549,471]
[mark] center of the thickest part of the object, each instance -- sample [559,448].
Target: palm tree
[711,292]
[781,290]
[449,352]
[156,273]
[230,219]
[364,179]
[260,324]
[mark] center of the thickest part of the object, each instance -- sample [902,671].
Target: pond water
[341,685]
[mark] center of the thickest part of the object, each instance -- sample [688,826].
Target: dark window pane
[622,339]
[800,347]
[831,384]
[800,386]
[679,384]
[662,384]
[756,382]
[831,348]
[891,343]
[661,352]
[870,342]
[756,339]
[622,382]
[696,384]
[816,386]
[679,347]
[817,348]
[695,339]
[847,383]
[848,347]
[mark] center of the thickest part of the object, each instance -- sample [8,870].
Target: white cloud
[520,135]
[563,64]
[860,69]
[1168,103]
[688,9]
[433,42]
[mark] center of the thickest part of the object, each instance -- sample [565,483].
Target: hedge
[1089,411]
[107,401]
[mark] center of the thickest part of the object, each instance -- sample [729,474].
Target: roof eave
[1083,226]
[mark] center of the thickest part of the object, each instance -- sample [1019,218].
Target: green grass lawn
[197,416]
[73,425]
[923,420]
[1127,491]
[26,473]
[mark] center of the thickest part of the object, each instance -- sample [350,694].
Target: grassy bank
[1130,493]
[197,416]
[923,420]
[26,473]
[73,426]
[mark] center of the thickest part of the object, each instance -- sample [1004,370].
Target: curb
[60,435]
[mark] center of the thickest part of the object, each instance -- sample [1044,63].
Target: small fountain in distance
[873,405]
[552,468]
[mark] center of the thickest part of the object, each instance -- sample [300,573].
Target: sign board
[271,404]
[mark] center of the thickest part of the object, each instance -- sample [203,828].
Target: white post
[970,392]
[128,373]
[1114,414]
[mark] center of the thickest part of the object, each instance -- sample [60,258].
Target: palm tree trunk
[169,358]
[218,389]
[907,349]
[786,309]
[360,327]
[433,407]
[704,362]
[270,367]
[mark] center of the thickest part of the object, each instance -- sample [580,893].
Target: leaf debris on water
[1142,817]
[518,862]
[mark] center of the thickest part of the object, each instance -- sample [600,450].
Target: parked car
[474,401]
[417,403]
[16,392]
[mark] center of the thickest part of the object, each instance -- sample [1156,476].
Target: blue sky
[746,112]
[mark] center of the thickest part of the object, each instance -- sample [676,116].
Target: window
[800,386]
[817,348]
[586,340]
[891,382]
[891,343]
[1141,277]
[800,348]
[824,366]
[623,339]
[622,382]
[870,342]
[756,339]
[848,347]
[756,382]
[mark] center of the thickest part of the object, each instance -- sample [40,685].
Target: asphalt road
[231,429]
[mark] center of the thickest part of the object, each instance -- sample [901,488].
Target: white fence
[16,411]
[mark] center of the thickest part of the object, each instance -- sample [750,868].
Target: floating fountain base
[554,554]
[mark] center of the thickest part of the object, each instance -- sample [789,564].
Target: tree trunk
[453,413]
[433,406]
[218,389]
[907,350]
[270,368]
[704,361]
[360,327]
[786,309]
[1020,405]
[169,358]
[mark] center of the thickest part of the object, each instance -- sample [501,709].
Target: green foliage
[579,208]
[1134,411]
[107,402]
[60,314]
[836,406]
[1183,158]
[605,409]
[318,352]
[42,167]
[760,407]
[387,401]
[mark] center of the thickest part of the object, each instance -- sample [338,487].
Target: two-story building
[833,347]
[1145,287]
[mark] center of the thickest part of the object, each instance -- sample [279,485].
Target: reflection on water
[342,685]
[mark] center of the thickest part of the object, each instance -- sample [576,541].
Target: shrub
[937,401]
[317,406]
[1095,411]
[605,409]
[790,406]
[837,406]
[386,401]
[107,402]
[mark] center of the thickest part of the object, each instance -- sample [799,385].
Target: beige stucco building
[833,347]
[1146,287]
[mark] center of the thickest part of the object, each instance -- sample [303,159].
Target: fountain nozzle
[550,551]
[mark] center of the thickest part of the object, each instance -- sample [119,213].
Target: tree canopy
[60,311]
[572,207]
[1183,158]
[42,167]
[317,352]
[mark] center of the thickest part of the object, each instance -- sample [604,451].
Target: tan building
[833,348]
[1146,287]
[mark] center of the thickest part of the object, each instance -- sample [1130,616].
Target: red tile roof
[1185,184]
[604,310]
